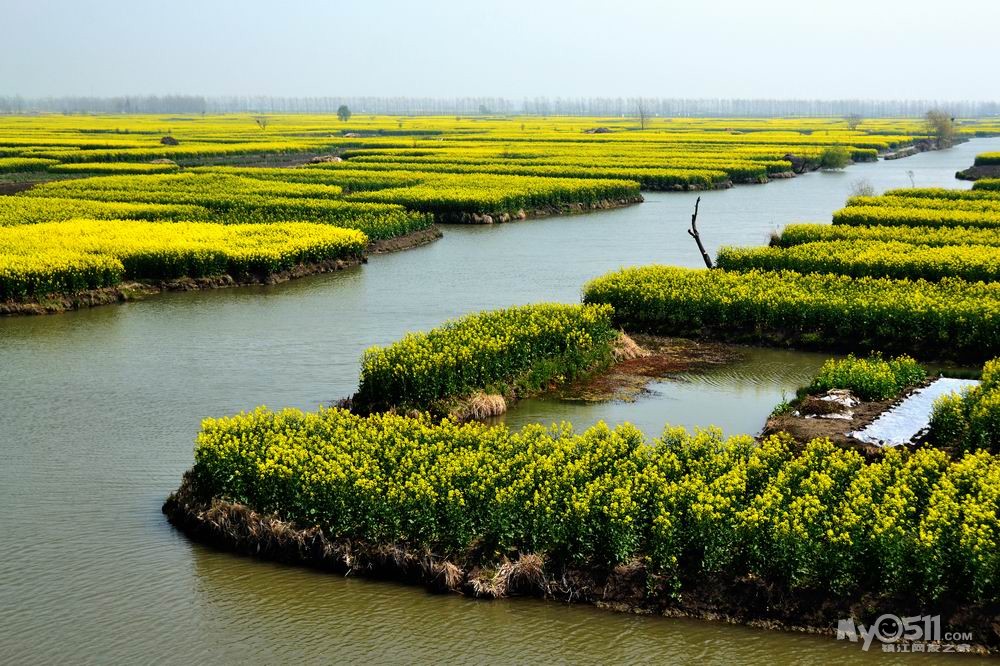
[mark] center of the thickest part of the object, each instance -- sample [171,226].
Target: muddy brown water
[99,408]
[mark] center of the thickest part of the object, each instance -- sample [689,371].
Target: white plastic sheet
[903,422]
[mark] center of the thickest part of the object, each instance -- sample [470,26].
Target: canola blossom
[870,378]
[926,525]
[65,257]
[871,258]
[917,217]
[970,420]
[22,164]
[798,234]
[987,159]
[16,210]
[947,318]
[113,168]
[235,199]
[514,350]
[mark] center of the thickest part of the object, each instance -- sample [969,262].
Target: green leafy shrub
[990,184]
[931,319]
[949,422]
[872,378]
[987,159]
[515,350]
[970,420]
[871,258]
[24,164]
[834,157]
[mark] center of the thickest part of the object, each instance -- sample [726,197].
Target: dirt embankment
[694,187]
[637,361]
[978,172]
[503,217]
[14,183]
[908,151]
[810,340]
[138,290]
[657,358]
[631,587]
[405,242]
[815,416]
[14,188]
[267,160]
[134,291]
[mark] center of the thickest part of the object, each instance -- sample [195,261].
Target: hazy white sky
[512,48]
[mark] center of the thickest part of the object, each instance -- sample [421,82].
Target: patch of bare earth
[406,241]
[14,188]
[647,358]
[977,172]
[805,422]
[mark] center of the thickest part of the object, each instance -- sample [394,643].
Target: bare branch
[693,232]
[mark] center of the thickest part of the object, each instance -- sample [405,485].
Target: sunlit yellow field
[385,176]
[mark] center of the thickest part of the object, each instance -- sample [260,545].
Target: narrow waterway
[99,408]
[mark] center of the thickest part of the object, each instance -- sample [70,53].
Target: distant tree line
[482,106]
[126,104]
[767,108]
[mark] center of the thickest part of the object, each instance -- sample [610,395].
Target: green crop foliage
[515,350]
[834,157]
[798,234]
[926,526]
[871,378]
[987,184]
[871,258]
[987,159]
[948,318]
[970,420]
[65,257]
[916,217]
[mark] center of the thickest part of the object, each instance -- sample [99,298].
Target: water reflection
[735,396]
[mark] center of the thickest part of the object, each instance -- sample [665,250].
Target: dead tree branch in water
[693,232]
